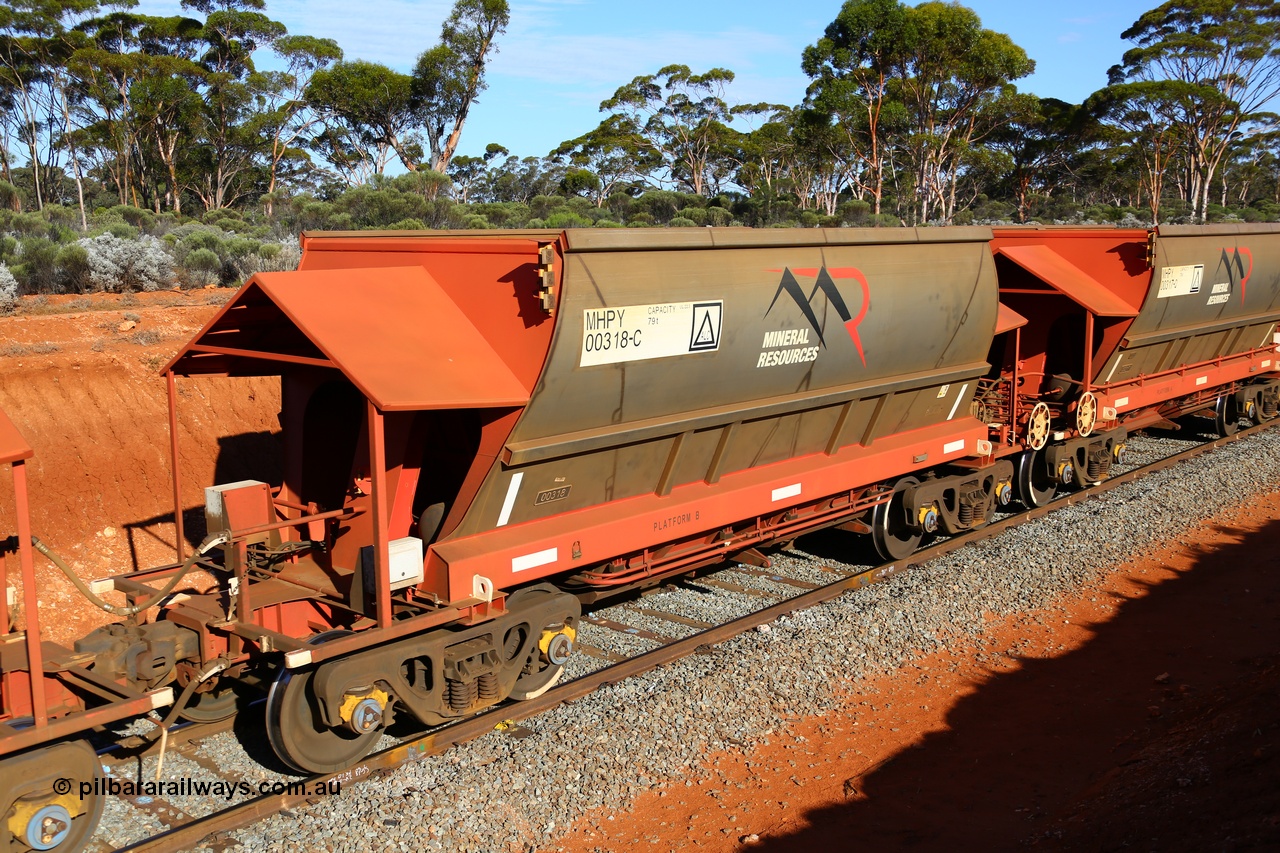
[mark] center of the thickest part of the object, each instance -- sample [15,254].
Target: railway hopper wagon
[481,431]
[1112,330]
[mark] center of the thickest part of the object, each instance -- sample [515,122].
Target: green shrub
[73,268]
[718,217]
[567,219]
[123,230]
[203,267]
[239,247]
[37,271]
[682,222]
[143,220]
[63,217]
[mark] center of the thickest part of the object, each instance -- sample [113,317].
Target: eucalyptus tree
[283,115]
[1038,137]
[1203,68]
[233,30]
[765,153]
[853,68]
[140,74]
[449,77]
[682,115]
[107,67]
[949,73]
[615,152]
[371,115]
[36,39]
[1146,136]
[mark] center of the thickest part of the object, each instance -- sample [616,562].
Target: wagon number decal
[635,332]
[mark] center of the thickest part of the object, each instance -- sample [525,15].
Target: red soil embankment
[85,390]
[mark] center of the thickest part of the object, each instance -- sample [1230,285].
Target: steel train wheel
[1226,415]
[893,537]
[298,734]
[40,796]
[541,671]
[1035,488]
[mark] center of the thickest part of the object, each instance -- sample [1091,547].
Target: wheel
[1035,488]
[544,666]
[1086,414]
[298,734]
[1226,415]
[1268,404]
[893,538]
[1038,426]
[52,797]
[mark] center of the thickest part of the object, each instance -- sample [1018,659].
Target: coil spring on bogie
[970,502]
[461,695]
[1270,405]
[1099,464]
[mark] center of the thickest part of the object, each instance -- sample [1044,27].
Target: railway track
[617,641]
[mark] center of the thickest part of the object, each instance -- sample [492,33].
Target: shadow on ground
[1161,733]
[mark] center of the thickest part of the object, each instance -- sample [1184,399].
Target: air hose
[209,542]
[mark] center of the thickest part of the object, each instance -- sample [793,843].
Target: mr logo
[1237,271]
[824,283]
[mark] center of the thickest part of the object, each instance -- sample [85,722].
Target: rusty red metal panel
[392,331]
[1007,320]
[13,446]
[1067,278]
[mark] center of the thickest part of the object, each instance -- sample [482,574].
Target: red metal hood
[1062,275]
[12,445]
[392,331]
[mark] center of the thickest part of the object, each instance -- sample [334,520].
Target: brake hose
[210,541]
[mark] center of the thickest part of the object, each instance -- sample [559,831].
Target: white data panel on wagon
[636,332]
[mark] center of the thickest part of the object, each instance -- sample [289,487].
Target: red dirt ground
[84,388]
[1142,714]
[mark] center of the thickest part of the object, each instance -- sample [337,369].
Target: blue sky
[560,58]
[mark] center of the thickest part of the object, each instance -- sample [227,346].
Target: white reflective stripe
[959,397]
[786,492]
[161,698]
[1122,402]
[1202,380]
[509,502]
[297,658]
[1112,371]
[1266,364]
[953,446]
[532,561]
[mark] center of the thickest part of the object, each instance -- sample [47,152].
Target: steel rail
[442,739]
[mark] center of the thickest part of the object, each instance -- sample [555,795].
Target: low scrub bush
[120,266]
